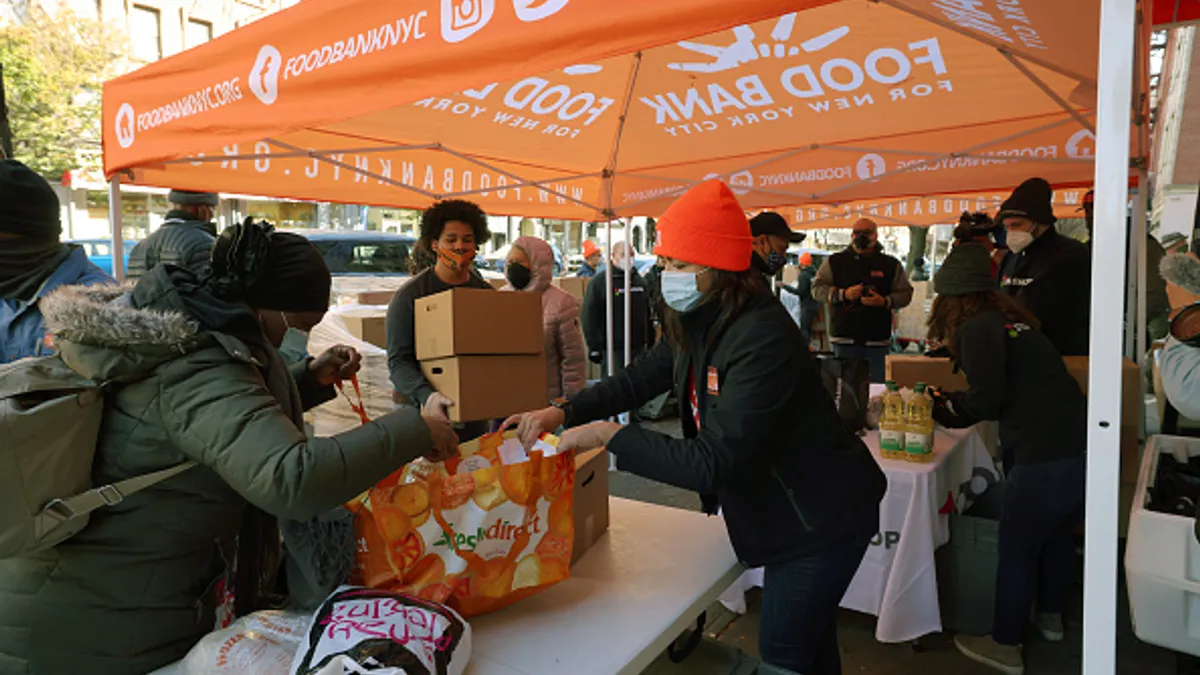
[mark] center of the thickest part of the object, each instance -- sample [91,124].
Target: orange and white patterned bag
[477,532]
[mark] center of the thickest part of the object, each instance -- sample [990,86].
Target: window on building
[196,33]
[145,32]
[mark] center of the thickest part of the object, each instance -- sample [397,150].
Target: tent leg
[1115,85]
[608,306]
[628,289]
[118,228]
[1142,266]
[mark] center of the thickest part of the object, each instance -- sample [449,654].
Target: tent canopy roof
[587,109]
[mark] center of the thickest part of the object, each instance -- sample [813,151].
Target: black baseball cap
[771,223]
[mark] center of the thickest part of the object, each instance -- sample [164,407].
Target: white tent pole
[628,288]
[1114,86]
[1139,235]
[118,228]
[1131,282]
[608,306]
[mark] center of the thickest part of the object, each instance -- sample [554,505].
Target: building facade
[1175,158]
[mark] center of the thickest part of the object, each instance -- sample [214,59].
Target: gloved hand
[946,414]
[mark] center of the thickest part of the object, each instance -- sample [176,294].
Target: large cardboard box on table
[474,321]
[574,286]
[368,325]
[906,370]
[489,387]
[590,501]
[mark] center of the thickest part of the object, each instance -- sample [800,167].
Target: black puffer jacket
[182,240]
[1015,376]
[770,450]
[1052,279]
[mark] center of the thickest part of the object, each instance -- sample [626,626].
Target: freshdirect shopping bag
[479,531]
[360,630]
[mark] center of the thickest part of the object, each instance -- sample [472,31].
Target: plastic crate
[1162,560]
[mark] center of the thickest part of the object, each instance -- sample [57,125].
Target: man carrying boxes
[456,347]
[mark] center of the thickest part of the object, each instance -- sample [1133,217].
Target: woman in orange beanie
[762,441]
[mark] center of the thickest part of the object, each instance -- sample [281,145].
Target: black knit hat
[189,198]
[28,205]
[1033,200]
[968,269]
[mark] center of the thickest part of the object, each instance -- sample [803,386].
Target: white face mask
[679,290]
[1019,241]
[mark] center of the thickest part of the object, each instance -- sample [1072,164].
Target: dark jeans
[876,356]
[1043,503]
[807,317]
[800,603]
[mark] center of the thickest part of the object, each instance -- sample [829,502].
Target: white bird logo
[744,50]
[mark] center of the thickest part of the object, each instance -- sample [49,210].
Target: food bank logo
[264,76]
[1081,144]
[746,47]
[740,182]
[463,18]
[125,126]
[501,530]
[870,166]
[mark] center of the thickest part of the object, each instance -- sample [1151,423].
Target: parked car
[362,253]
[99,251]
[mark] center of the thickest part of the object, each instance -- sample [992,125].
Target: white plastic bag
[360,630]
[263,643]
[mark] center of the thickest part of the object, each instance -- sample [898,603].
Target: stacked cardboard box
[368,325]
[483,350]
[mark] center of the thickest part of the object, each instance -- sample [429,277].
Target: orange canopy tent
[919,211]
[597,109]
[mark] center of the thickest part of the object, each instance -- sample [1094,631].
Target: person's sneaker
[983,649]
[1050,626]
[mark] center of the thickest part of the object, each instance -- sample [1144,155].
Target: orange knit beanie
[706,226]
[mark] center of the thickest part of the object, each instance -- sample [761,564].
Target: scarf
[26,264]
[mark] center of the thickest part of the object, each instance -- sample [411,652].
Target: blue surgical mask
[294,347]
[679,290]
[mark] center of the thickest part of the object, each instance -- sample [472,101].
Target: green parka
[134,590]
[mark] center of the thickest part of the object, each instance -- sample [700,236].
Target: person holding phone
[762,440]
[864,285]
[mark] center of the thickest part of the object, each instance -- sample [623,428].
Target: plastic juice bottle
[892,424]
[918,432]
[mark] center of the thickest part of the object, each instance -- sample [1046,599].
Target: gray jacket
[182,240]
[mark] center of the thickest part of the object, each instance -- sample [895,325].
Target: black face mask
[862,241]
[518,275]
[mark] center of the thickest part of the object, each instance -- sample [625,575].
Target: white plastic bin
[1162,560]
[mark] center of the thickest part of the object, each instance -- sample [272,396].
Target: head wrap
[968,269]
[271,270]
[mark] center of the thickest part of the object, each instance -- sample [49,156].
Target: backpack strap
[62,510]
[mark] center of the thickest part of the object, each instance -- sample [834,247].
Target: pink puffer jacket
[566,357]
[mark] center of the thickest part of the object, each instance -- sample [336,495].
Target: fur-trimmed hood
[105,316]
[105,332]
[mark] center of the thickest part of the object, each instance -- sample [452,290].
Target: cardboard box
[791,274]
[376,297]
[473,321]
[489,387]
[574,286]
[367,325]
[1132,409]
[590,501]
[498,283]
[907,370]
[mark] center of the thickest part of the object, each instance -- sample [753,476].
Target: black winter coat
[1052,279]
[182,240]
[595,319]
[1016,376]
[771,450]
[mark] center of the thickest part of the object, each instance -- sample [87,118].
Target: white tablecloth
[637,589]
[897,580]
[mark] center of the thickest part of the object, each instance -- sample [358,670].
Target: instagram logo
[463,18]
